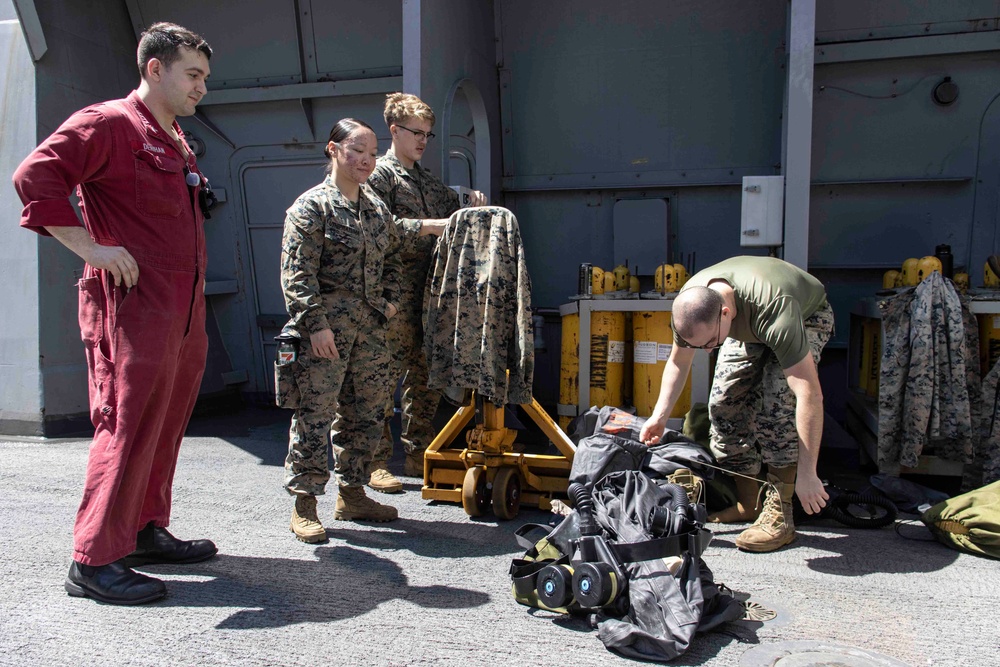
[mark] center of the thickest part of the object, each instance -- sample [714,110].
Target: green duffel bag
[969,522]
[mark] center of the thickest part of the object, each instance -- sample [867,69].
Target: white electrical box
[763,210]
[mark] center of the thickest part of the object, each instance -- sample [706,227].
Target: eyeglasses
[419,134]
[718,337]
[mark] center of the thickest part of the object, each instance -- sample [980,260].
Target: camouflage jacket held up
[930,394]
[477,313]
[413,193]
[335,261]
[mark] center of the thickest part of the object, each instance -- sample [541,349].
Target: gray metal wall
[20,381]
[580,106]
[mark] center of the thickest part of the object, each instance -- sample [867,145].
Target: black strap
[524,572]
[521,534]
[694,542]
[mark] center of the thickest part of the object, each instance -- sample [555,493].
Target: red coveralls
[146,346]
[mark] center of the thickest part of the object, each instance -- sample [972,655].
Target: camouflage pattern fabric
[342,392]
[929,389]
[752,408]
[339,270]
[477,319]
[411,194]
[990,445]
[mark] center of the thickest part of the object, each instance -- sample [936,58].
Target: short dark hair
[164,41]
[342,129]
[695,306]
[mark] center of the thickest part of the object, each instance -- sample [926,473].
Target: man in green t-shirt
[771,321]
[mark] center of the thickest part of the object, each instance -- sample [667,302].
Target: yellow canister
[609,282]
[680,275]
[990,279]
[989,341]
[607,360]
[890,279]
[597,280]
[962,282]
[653,340]
[926,266]
[665,279]
[622,275]
[909,272]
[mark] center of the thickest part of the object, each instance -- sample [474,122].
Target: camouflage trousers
[406,349]
[348,393]
[751,406]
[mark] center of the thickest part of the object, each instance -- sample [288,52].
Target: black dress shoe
[157,546]
[112,583]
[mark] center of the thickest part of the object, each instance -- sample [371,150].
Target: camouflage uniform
[929,390]
[411,193]
[339,270]
[991,427]
[751,406]
[477,318]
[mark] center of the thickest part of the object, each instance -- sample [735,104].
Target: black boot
[157,546]
[113,583]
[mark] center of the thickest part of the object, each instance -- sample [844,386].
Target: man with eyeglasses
[411,192]
[770,321]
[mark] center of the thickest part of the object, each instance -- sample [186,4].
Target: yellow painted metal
[609,282]
[989,341]
[665,279]
[653,340]
[622,277]
[490,446]
[990,279]
[910,272]
[926,266]
[680,275]
[569,365]
[633,284]
[891,278]
[962,281]
[597,280]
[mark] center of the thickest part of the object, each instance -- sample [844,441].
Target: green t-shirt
[773,300]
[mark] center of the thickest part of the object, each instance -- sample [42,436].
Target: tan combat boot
[382,480]
[413,466]
[305,523]
[746,508]
[354,505]
[774,527]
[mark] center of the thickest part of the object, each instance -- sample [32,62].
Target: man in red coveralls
[142,305]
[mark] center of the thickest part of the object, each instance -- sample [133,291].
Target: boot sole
[347,516]
[763,548]
[77,591]
[388,489]
[310,539]
[139,561]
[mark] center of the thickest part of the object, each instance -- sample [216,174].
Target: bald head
[695,308]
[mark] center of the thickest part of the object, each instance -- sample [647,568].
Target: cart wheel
[474,498]
[506,493]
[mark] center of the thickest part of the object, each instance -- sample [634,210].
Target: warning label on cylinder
[616,352]
[651,352]
[645,352]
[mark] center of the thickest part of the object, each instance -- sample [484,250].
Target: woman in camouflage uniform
[340,278]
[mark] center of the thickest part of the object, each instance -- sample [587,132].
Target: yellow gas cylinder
[607,360]
[989,341]
[665,279]
[962,282]
[609,281]
[653,339]
[990,279]
[633,284]
[909,272]
[680,275]
[926,266]
[597,280]
[891,278]
[622,276]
